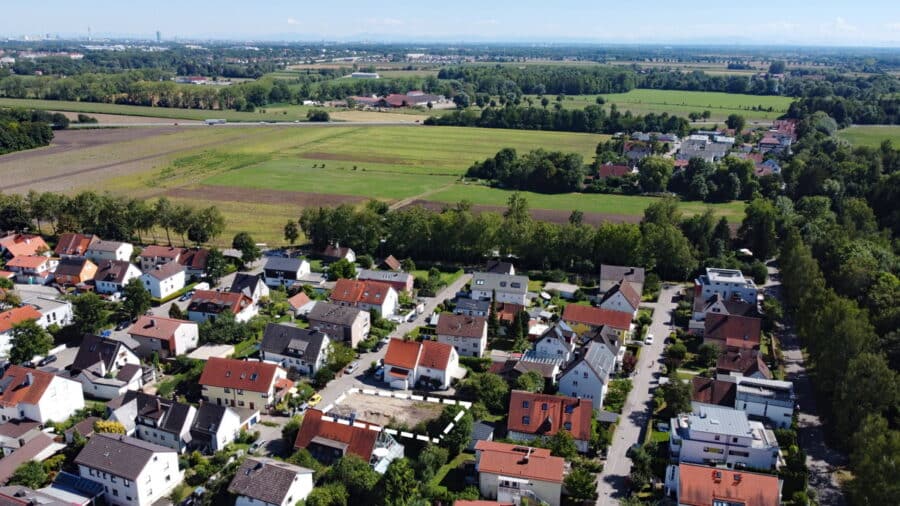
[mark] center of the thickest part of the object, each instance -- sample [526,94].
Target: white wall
[575,384]
[187,336]
[61,399]
[780,416]
[111,287]
[162,288]
[155,481]
[549,492]
[618,302]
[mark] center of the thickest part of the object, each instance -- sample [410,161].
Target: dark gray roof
[283,264]
[607,416]
[473,305]
[243,281]
[499,267]
[333,313]
[95,349]
[102,245]
[291,340]
[71,266]
[169,416]
[112,271]
[119,455]
[481,431]
[208,418]
[620,272]
[598,357]
[384,276]
[265,479]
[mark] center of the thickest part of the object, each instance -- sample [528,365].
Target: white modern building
[508,288]
[728,283]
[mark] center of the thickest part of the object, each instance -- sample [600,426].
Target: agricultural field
[682,103]
[871,135]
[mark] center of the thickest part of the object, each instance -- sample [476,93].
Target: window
[544,406]
[525,404]
[115,492]
[710,449]
[718,437]
[112,479]
[240,392]
[734,440]
[227,390]
[526,420]
[567,425]
[585,375]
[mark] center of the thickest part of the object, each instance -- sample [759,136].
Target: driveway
[821,460]
[639,404]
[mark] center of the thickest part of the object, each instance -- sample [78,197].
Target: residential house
[106,368]
[280,271]
[209,304]
[214,427]
[48,496]
[704,149]
[113,275]
[251,285]
[74,245]
[154,255]
[500,267]
[512,368]
[408,363]
[507,311]
[335,252]
[715,435]
[164,280]
[102,250]
[15,433]
[743,361]
[84,428]
[611,275]
[587,377]
[32,269]
[472,307]
[732,331]
[613,338]
[261,480]
[301,304]
[241,383]
[507,288]
[72,271]
[693,485]
[53,311]
[533,416]
[154,419]
[467,334]
[402,282]
[565,290]
[594,317]
[729,283]
[609,169]
[8,319]
[621,297]
[513,473]
[342,323]
[365,295]
[328,439]
[22,245]
[30,394]
[167,337]
[194,261]
[132,472]
[762,399]
[304,350]
[717,304]
[37,449]
[636,151]
[556,343]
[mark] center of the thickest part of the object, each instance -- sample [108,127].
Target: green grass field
[871,135]
[682,103]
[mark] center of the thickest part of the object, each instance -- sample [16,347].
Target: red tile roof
[610,170]
[700,486]
[402,353]
[713,391]
[18,315]
[359,441]
[74,244]
[157,327]
[746,362]
[299,300]
[239,374]
[353,291]
[19,390]
[559,411]
[155,250]
[594,316]
[435,355]
[194,258]
[519,461]
[27,261]
[23,244]
[507,311]
[392,263]
[460,325]
[732,330]
[210,301]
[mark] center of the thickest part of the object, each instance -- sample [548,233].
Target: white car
[648,340]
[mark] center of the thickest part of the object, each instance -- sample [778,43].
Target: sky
[790,22]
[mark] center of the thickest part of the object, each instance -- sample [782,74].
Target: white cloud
[292,21]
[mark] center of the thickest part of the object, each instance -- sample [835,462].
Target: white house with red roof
[164,280]
[210,304]
[167,337]
[10,318]
[38,396]
[621,297]
[695,485]
[16,245]
[242,383]
[406,363]
[533,416]
[365,295]
[513,473]
[33,269]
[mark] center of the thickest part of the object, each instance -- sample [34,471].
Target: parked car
[315,399]
[352,367]
[648,340]
[255,447]
[379,373]
[122,325]
[49,359]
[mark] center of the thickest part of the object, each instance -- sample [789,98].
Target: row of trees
[21,129]
[111,217]
[538,170]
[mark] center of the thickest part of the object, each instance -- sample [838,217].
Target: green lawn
[871,135]
[585,202]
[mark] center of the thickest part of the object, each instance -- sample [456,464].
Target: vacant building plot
[387,410]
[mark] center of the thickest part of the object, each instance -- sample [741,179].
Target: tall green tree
[677,395]
[758,230]
[400,485]
[90,312]
[875,461]
[654,173]
[581,484]
[137,299]
[30,474]
[531,381]
[28,339]
[291,232]
[244,243]
[869,387]
[342,269]
[357,476]
[216,266]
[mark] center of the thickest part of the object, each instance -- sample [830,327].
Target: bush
[318,115]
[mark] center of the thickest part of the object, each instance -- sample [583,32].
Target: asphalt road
[639,405]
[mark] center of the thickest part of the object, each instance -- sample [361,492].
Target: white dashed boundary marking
[402,396]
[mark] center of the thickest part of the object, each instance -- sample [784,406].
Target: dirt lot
[385,410]
[238,194]
[121,119]
[539,214]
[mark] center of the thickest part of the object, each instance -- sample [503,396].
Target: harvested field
[387,410]
[256,195]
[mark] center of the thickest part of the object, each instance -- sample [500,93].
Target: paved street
[360,378]
[636,412]
[821,460]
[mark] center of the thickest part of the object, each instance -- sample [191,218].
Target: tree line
[539,171]
[21,129]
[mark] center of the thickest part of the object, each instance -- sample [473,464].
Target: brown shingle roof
[391,263]
[359,441]
[213,302]
[595,316]
[166,270]
[712,391]
[154,250]
[627,291]
[510,460]
[701,486]
[402,353]
[299,300]
[435,355]
[265,480]
[238,374]
[733,330]
[157,327]
[119,455]
[548,414]
[746,362]
[459,325]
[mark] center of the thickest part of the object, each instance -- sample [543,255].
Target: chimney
[29,379]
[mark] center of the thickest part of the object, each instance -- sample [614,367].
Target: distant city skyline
[798,22]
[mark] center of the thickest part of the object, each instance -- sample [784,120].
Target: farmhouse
[329,439]
[467,334]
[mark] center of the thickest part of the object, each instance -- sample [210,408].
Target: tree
[205,224]
[329,494]
[365,261]
[430,460]
[244,243]
[358,478]
[675,354]
[216,266]
[869,387]
[489,388]
[318,115]
[562,444]
[90,313]
[875,461]
[291,232]
[400,485]
[709,354]
[641,465]
[758,232]
[28,339]
[458,438]
[30,474]
[654,173]
[777,67]
[531,381]
[175,312]
[290,430]
[137,299]
[581,484]
[736,122]
[407,265]
[342,269]
[677,395]
[109,427]
[462,100]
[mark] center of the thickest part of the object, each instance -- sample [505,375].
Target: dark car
[49,359]
[123,325]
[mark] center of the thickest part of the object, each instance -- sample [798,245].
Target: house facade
[154,255]
[251,285]
[512,473]
[365,295]
[154,419]
[74,271]
[269,482]
[32,269]
[164,280]
[303,350]
[106,368]
[407,363]
[588,376]
[285,272]
[401,282]
[167,337]
[467,334]
[240,383]
[342,323]
[214,427]
[113,275]
[29,394]
[508,288]
[533,416]
[621,297]
[102,250]
[556,343]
